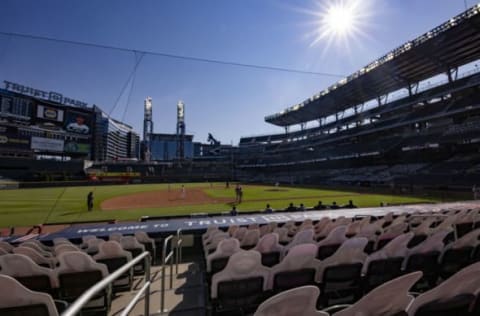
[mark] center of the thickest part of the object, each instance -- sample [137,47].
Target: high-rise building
[113,139]
[165,147]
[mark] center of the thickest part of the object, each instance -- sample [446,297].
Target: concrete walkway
[185,297]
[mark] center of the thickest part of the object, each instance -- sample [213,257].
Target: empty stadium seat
[212,242]
[453,260]
[30,274]
[283,237]
[270,249]
[241,285]
[20,301]
[391,298]
[331,225]
[60,240]
[340,274]
[35,246]
[78,272]
[148,242]
[131,244]
[61,248]
[392,231]
[264,229]
[329,245]
[320,225]
[385,264]
[302,237]
[6,246]
[93,245]
[253,226]
[115,236]
[39,244]
[298,268]
[381,271]
[86,238]
[114,256]
[250,239]
[371,231]
[210,230]
[458,254]
[38,258]
[424,257]
[232,229]
[299,301]
[217,260]
[457,295]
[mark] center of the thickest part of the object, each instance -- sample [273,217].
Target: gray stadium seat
[299,301]
[77,273]
[30,274]
[20,301]
[113,256]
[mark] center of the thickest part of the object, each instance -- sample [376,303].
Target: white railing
[166,258]
[76,306]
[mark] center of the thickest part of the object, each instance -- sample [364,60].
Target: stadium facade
[31,127]
[386,123]
[46,136]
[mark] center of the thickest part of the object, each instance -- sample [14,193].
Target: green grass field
[26,207]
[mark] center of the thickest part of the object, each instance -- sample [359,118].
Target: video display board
[31,124]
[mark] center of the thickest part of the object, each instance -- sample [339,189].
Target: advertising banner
[12,139]
[47,144]
[49,113]
[77,122]
[75,147]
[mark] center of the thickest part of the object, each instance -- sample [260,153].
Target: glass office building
[114,140]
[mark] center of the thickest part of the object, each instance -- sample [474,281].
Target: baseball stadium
[363,202]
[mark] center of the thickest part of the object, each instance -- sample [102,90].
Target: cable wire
[131,89]
[126,84]
[175,56]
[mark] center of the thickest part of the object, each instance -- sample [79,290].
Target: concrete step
[186,297]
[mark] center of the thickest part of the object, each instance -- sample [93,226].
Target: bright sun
[341,22]
[339,19]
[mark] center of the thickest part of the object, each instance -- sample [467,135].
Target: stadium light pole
[232,172]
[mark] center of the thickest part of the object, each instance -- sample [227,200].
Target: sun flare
[341,22]
[339,19]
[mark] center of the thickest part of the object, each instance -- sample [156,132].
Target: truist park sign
[46,95]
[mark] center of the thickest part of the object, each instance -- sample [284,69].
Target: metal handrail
[76,306]
[134,301]
[165,259]
[178,249]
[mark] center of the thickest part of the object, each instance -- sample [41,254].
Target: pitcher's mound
[160,198]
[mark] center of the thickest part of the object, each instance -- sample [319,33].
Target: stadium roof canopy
[452,44]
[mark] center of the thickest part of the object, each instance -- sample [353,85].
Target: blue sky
[229,102]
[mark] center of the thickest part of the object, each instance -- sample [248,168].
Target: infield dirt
[161,198]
